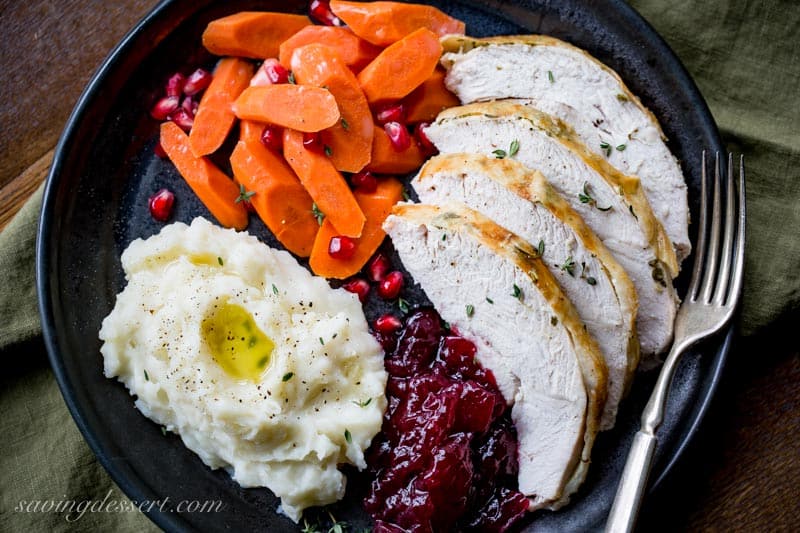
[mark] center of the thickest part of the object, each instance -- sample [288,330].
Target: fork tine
[726,257]
[699,250]
[738,266]
[713,244]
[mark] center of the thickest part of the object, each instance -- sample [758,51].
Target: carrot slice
[325,185]
[253,34]
[350,140]
[376,207]
[383,23]
[214,118]
[429,99]
[299,107]
[387,160]
[216,190]
[354,51]
[250,131]
[280,199]
[401,67]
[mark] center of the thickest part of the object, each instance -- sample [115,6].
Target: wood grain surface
[740,474]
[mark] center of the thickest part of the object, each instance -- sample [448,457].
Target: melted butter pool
[236,343]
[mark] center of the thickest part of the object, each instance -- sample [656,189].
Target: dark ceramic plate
[95,204]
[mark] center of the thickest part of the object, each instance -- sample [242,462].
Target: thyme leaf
[362,403]
[517,292]
[244,194]
[319,215]
[402,305]
[512,150]
[569,266]
[585,197]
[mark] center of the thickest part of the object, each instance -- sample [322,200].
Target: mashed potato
[259,366]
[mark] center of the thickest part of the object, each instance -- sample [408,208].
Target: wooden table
[741,473]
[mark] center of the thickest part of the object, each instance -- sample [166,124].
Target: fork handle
[622,517]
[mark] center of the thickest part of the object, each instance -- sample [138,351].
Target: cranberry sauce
[446,458]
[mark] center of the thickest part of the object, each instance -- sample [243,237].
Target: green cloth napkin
[743,56]
[45,463]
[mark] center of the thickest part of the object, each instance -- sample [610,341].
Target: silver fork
[709,305]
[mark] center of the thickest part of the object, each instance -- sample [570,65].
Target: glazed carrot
[376,207]
[354,51]
[429,99]
[327,187]
[251,33]
[280,199]
[216,190]
[250,131]
[383,23]
[350,140]
[214,118]
[299,107]
[401,67]
[387,160]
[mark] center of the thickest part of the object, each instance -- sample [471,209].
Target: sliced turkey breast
[565,81]
[543,359]
[611,203]
[521,200]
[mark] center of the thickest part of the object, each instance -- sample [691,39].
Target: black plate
[95,204]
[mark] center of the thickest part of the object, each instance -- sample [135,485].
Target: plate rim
[132,485]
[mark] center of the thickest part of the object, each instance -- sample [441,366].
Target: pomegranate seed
[165,107]
[398,135]
[321,11]
[312,140]
[391,113]
[425,143]
[387,324]
[159,150]
[341,247]
[175,84]
[389,287]
[182,119]
[276,73]
[196,82]
[160,205]
[190,105]
[378,267]
[358,286]
[364,181]
[272,137]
